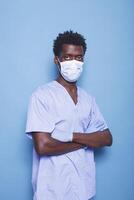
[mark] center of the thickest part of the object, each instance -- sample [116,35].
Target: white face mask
[71,70]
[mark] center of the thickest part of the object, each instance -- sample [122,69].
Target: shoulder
[43,91]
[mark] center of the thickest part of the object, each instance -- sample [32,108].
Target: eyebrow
[73,55]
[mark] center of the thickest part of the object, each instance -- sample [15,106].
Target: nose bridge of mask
[71,63]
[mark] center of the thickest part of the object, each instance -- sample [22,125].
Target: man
[66,125]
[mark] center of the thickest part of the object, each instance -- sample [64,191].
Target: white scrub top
[70,176]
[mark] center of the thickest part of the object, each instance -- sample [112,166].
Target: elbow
[109,140]
[42,149]
[108,137]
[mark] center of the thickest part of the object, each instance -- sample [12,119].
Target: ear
[56,60]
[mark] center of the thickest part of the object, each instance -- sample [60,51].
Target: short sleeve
[39,116]
[96,120]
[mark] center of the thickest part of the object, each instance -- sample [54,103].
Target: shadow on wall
[102,154]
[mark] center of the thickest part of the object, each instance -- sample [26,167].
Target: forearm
[62,148]
[94,140]
[55,147]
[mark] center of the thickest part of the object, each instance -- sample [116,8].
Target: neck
[66,84]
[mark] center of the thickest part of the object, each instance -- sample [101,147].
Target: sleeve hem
[29,133]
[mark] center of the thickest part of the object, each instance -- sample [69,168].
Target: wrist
[75,137]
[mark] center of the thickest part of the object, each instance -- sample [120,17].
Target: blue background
[27,30]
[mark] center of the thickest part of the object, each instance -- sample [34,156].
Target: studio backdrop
[27,31]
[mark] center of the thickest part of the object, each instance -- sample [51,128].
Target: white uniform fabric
[70,176]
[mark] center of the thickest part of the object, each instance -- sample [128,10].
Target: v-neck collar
[65,90]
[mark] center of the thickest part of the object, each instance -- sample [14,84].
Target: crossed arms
[46,145]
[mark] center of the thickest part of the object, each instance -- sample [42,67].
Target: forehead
[72,49]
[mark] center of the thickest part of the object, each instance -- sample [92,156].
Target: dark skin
[44,143]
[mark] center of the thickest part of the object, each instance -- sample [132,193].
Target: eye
[79,58]
[67,57]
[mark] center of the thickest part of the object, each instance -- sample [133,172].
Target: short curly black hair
[68,37]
